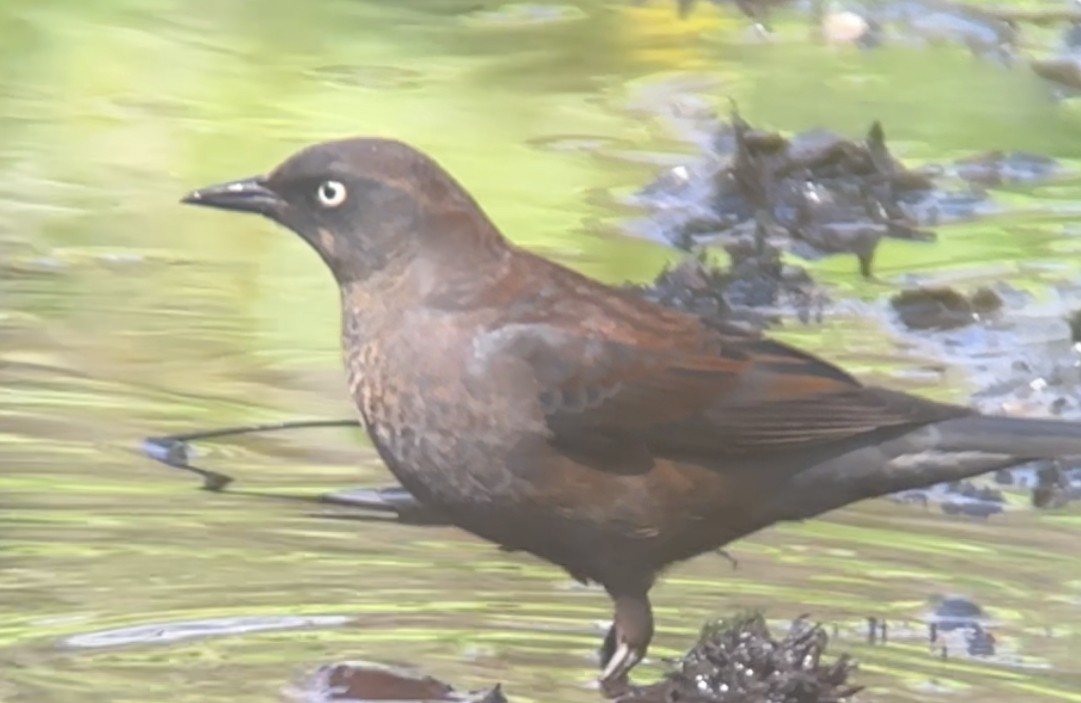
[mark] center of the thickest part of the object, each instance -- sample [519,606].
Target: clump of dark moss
[740,661]
[693,286]
[753,291]
[943,308]
[814,194]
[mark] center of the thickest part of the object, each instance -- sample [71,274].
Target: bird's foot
[621,687]
[618,657]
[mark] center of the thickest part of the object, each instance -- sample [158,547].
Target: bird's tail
[946,451]
[1030,438]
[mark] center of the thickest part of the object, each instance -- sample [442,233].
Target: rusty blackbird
[550,413]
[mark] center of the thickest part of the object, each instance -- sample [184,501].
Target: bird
[554,414]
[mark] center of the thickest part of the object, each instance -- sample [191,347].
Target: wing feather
[700,393]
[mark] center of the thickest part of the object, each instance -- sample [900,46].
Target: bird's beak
[247,195]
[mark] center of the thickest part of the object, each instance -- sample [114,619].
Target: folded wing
[696,392]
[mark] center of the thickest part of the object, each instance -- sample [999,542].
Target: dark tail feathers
[1024,438]
[950,450]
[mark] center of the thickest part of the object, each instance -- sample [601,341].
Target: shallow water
[123,314]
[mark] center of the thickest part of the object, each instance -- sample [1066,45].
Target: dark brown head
[366,206]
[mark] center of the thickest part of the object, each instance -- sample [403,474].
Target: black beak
[247,195]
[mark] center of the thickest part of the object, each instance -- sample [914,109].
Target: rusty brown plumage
[550,413]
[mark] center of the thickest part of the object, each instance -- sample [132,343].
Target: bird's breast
[442,436]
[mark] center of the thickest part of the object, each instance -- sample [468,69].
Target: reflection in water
[123,316]
[176,631]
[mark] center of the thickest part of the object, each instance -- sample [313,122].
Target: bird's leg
[627,640]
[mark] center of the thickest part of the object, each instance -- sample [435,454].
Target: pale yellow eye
[331,193]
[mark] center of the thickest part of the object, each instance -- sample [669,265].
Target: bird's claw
[614,679]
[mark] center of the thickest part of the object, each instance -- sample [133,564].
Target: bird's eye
[331,193]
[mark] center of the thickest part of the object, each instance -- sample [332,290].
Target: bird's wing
[693,392]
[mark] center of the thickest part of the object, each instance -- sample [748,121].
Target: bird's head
[365,205]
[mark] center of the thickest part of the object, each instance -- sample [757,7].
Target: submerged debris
[1055,485]
[997,168]
[956,498]
[943,308]
[366,681]
[817,194]
[740,661]
[752,291]
[957,624]
[1053,482]
[966,498]
[814,194]
[954,611]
